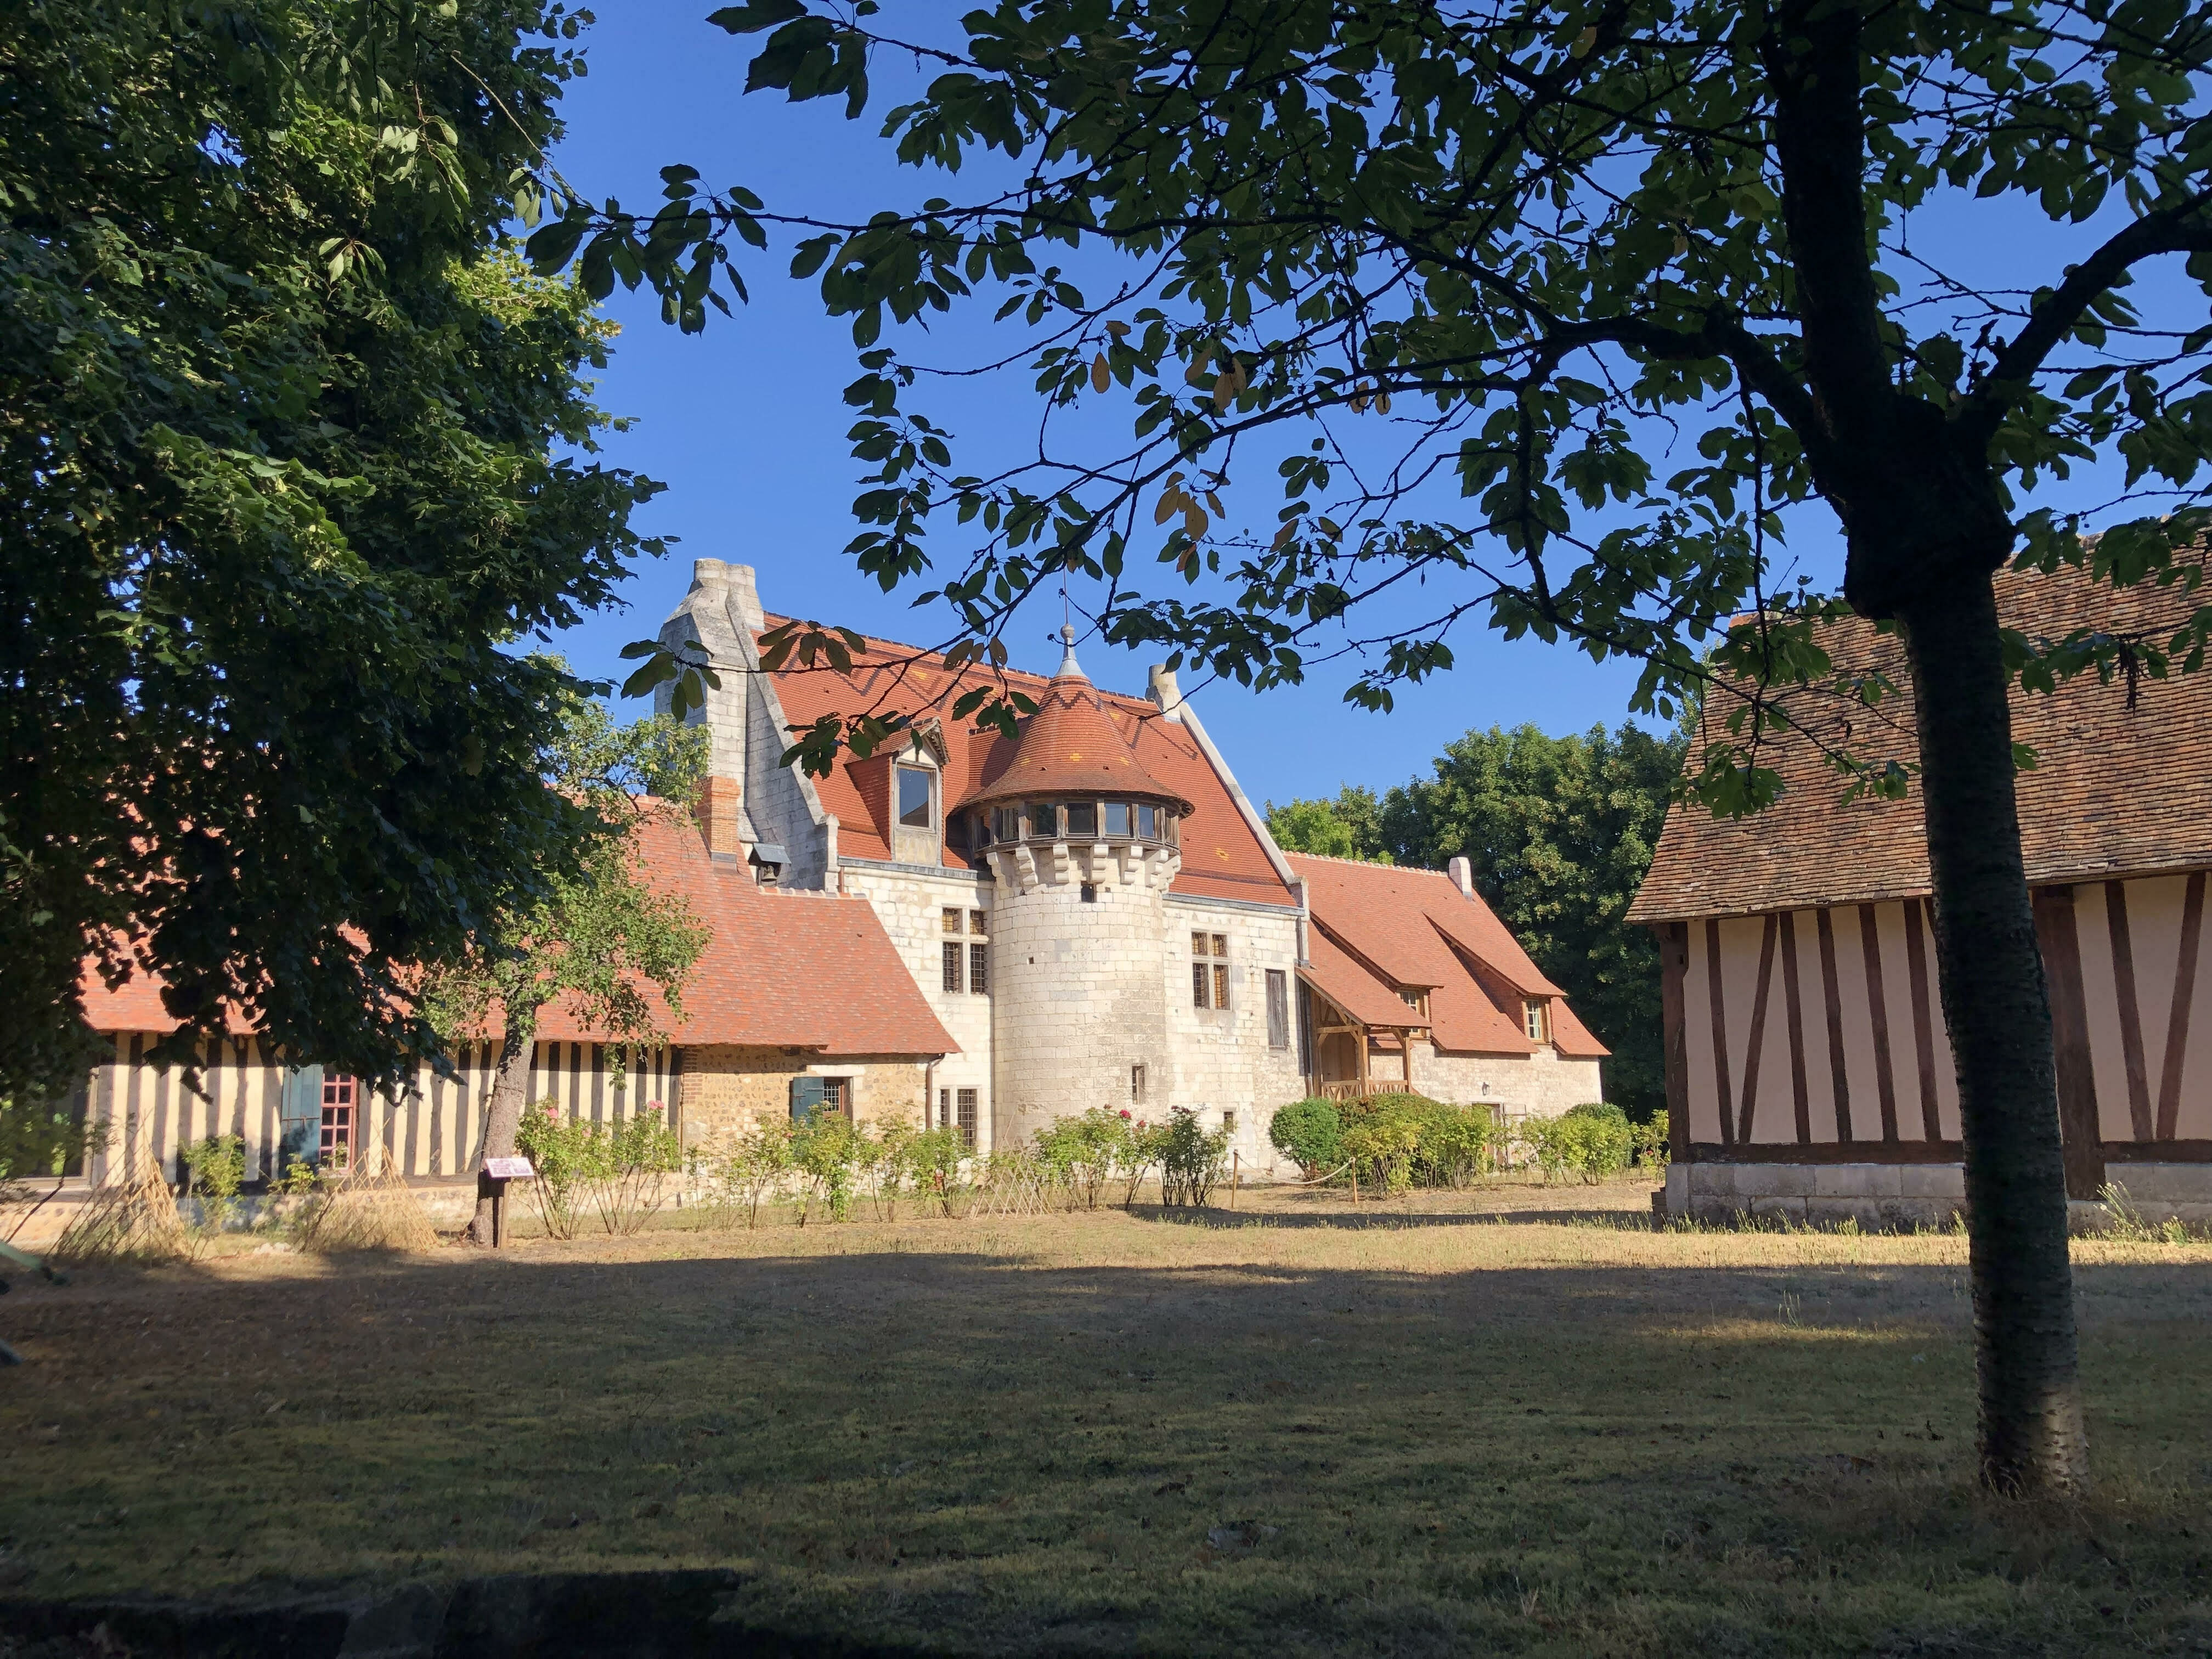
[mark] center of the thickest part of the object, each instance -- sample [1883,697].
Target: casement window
[1117,819]
[317,1119]
[952,919]
[1209,978]
[965,1101]
[1278,1009]
[1536,1018]
[1148,822]
[913,807]
[977,923]
[951,967]
[1229,1124]
[334,1150]
[945,1109]
[979,968]
[1136,1085]
[1082,818]
[821,1095]
[1006,824]
[1044,821]
[979,833]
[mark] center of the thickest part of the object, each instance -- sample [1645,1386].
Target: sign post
[491,1183]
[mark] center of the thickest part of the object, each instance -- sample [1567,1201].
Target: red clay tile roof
[780,969]
[1378,926]
[1071,743]
[1221,857]
[2114,792]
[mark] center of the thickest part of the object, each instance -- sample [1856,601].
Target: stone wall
[1077,1002]
[1902,1196]
[1221,1060]
[911,904]
[1541,1085]
[724,1087]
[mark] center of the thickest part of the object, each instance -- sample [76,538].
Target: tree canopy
[295,448]
[1558,832]
[596,934]
[1544,314]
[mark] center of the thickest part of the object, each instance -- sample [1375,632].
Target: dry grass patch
[1433,1427]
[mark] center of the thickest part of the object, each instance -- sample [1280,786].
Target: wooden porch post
[1406,1055]
[1359,1040]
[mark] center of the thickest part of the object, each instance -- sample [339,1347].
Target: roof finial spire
[1068,667]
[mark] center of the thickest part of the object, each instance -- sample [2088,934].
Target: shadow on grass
[1376,1217]
[1406,1447]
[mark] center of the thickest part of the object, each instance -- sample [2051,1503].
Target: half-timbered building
[1808,1071]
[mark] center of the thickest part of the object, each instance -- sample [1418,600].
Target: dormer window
[1417,999]
[766,860]
[1536,1018]
[914,803]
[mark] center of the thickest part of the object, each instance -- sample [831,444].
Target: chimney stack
[1162,689]
[1462,875]
[718,816]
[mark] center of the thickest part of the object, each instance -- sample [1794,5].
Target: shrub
[1382,1141]
[1190,1159]
[215,1169]
[1082,1153]
[1455,1143]
[1592,1140]
[936,1157]
[827,1150]
[1146,1146]
[627,1170]
[560,1155]
[1652,1146]
[1312,1131]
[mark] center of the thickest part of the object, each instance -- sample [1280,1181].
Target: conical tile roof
[1071,746]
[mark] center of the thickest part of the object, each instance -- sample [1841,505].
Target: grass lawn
[1460,1423]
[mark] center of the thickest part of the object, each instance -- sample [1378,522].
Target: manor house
[973,931]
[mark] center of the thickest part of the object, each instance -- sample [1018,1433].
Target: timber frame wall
[432,1131]
[1817,1035]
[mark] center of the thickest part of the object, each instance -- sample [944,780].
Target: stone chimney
[1462,875]
[719,815]
[739,590]
[1160,686]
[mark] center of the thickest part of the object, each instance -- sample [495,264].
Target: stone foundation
[1899,1197]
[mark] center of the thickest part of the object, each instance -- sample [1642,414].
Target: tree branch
[2177,229]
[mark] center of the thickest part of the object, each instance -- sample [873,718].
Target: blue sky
[746,425]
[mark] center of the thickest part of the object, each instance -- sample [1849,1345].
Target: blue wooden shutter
[807,1094]
[300,1118]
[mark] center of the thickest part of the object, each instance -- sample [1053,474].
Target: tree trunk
[1998,1010]
[509,1085]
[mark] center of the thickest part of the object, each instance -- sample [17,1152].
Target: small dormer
[917,803]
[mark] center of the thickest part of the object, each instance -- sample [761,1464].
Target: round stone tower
[1081,842]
